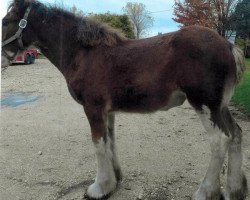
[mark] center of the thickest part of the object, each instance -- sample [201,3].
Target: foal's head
[16,32]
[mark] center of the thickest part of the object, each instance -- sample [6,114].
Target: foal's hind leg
[111,132]
[106,178]
[236,180]
[215,127]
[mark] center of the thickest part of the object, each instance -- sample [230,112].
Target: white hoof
[198,195]
[206,194]
[98,191]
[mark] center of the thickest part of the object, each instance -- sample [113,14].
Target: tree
[140,17]
[223,10]
[214,14]
[121,22]
[194,12]
[241,21]
[76,11]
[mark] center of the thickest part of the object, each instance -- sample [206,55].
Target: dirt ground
[46,150]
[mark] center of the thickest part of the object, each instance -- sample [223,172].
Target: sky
[162,10]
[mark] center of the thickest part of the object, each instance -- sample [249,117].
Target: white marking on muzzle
[5,62]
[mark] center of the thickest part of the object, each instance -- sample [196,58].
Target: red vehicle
[28,56]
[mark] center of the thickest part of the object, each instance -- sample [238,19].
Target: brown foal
[106,72]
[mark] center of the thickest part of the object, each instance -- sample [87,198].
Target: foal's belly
[139,101]
[177,98]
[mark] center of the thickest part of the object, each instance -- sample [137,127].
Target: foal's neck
[55,34]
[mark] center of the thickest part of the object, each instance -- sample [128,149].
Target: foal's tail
[239,61]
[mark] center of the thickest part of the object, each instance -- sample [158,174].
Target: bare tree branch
[140,17]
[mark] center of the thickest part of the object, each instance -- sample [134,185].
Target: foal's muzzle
[5,62]
[6,58]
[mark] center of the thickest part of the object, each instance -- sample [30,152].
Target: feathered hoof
[97,191]
[105,197]
[238,194]
[206,194]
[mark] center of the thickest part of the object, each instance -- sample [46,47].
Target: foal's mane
[92,33]
[89,32]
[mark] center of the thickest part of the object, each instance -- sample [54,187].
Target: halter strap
[18,35]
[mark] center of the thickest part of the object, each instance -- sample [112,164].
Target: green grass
[40,56]
[248,63]
[242,92]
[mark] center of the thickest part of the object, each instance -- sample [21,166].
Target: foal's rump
[210,66]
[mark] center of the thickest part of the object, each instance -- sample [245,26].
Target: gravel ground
[46,149]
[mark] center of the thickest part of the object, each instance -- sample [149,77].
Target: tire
[32,59]
[27,60]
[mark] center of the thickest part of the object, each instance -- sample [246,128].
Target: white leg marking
[235,162]
[111,127]
[236,185]
[210,187]
[105,181]
[235,177]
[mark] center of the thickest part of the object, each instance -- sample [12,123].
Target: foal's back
[141,75]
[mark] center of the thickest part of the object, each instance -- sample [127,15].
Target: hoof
[207,194]
[90,198]
[100,192]
[237,194]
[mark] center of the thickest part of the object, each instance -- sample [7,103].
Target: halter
[18,35]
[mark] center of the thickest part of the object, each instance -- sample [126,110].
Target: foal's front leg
[106,178]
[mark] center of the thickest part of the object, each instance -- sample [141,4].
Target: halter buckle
[23,23]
